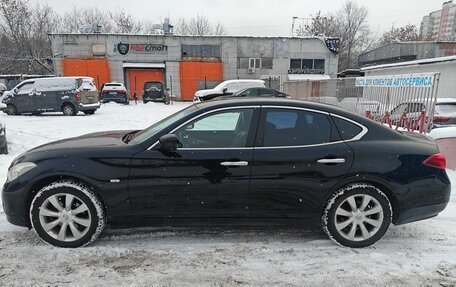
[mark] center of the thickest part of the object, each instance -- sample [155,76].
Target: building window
[295,64]
[307,66]
[200,51]
[254,63]
[319,64]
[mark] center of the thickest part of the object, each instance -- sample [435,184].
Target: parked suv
[61,94]
[227,88]
[114,92]
[155,92]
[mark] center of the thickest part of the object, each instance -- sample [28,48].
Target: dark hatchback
[243,162]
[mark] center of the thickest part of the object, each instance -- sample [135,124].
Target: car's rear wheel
[67,214]
[11,109]
[69,110]
[357,215]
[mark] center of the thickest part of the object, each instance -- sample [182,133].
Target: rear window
[445,108]
[150,87]
[347,129]
[113,85]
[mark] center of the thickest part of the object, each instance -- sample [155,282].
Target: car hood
[100,139]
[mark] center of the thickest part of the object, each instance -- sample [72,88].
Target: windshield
[159,126]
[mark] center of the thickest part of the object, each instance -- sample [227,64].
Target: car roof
[243,81]
[221,102]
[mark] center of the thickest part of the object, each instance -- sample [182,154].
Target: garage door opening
[193,72]
[137,78]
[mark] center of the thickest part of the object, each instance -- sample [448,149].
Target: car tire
[89,112]
[127,102]
[357,215]
[68,110]
[67,214]
[11,109]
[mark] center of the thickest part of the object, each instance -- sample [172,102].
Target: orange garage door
[98,69]
[192,72]
[137,78]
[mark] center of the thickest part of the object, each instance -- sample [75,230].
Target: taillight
[441,119]
[436,160]
[78,95]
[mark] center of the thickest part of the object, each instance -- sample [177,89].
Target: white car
[227,88]
[114,92]
[360,106]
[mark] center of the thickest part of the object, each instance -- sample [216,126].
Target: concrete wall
[280,50]
[447,83]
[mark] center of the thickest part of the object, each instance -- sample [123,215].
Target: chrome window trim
[296,108]
[355,138]
[201,115]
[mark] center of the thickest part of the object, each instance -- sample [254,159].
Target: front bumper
[14,201]
[88,107]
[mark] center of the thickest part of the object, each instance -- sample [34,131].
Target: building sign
[333,44]
[125,48]
[416,80]
[306,71]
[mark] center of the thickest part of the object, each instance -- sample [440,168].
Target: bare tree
[220,30]
[406,33]
[354,33]
[124,22]
[321,24]
[198,26]
[24,29]
[78,19]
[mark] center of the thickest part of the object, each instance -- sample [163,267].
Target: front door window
[226,129]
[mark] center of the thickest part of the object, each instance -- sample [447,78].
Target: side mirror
[15,90]
[224,90]
[169,142]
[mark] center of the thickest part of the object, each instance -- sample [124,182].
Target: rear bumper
[422,202]
[85,107]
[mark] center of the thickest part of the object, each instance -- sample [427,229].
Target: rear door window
[289,127]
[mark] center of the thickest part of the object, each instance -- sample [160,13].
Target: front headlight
[19,169]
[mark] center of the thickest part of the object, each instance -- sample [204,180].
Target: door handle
[331,160]
[234,163]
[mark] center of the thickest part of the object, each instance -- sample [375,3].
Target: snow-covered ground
[417,254]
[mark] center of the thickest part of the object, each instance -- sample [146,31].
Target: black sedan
[250,162]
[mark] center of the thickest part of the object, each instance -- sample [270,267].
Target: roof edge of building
[411,63]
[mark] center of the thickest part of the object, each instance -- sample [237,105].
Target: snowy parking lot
[417,254]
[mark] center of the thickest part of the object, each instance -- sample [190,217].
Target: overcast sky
[260,17]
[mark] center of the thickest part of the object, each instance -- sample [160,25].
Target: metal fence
[401,101]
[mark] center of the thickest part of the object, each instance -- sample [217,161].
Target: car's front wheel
[357,215]
[67,214]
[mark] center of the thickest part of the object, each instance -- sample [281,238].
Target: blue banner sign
[418,80]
